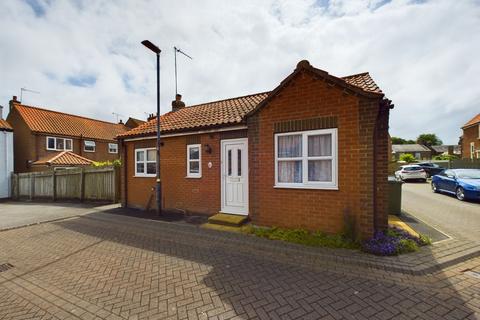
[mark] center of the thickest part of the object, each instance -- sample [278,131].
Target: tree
[407,157]
[397,140]
[429,139]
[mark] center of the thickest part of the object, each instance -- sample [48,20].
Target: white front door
[235,176]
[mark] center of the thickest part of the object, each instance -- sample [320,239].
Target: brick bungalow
[312,153]
[471,138]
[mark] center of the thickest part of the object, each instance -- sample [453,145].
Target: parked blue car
[463,183]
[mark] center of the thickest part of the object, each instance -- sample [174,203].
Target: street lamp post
[158,186]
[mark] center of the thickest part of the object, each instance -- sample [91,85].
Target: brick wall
[23,142]
[471,134]
[196,195]
[303,98]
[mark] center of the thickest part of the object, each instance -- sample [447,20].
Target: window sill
[145,176]
[193,177]
[307,187]
[88,151]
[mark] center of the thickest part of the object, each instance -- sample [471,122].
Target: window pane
[194,166]
[60,144]
[290,146]
[239,162]
[229,163]
[68,144]
[140,167]
[320,145]
[51,143]
[290,171]
[194,153]
[320,170]
[151,168]
[140,156]
[151,155]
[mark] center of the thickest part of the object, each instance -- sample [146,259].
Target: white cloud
[422,53]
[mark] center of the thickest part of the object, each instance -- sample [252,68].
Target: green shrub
[101,164]
[305,237]
[448,157]
[407,245]
[407,157]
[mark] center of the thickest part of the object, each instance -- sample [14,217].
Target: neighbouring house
[6,156]
[312,153]
[41,136]
[133,123]
[419,151]
[471,139]
[452,150]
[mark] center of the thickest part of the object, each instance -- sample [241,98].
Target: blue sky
[85,57]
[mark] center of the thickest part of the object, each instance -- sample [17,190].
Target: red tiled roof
[64,158]
[217,113]
[363,81]
[473,121]
[233,111]
[59,123]
[5,126]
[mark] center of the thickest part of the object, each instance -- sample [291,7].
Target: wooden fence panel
[43,184]
[96,184]
[466,164]
[68,184]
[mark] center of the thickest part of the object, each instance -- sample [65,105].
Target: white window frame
[89,143]
[472,150]
[115,147]
[321,185]
[145,161]
[64,144]
[195,174]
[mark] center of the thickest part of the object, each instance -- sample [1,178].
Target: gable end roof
[64,158]
[472,121]
[236,110]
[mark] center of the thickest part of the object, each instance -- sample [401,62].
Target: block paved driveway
[107,266]
[460,219]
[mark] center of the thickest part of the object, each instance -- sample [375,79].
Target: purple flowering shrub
[393,241]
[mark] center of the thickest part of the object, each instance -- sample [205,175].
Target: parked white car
[411,172]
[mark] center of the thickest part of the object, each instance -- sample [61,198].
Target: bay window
[145,162]
[306,159]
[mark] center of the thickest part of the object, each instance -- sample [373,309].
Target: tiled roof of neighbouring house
[409,148]
[473,121]
[444,148]
[5,126]
[233,111]
[65,158]
[58,123]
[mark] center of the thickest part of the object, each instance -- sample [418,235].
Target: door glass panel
[229,163]
[239,162]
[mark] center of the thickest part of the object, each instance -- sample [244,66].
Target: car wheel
[460,193]
[434,188]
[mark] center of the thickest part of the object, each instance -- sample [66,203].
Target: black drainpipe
[385,103]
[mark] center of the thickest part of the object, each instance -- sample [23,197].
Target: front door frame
[224,208]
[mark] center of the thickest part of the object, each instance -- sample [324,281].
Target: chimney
[177,104]
[13,101]
[151,116]
[120,122]
[1,112]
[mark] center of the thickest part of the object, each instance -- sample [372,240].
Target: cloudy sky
[85,57]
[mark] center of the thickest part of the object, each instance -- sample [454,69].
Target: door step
[231,220]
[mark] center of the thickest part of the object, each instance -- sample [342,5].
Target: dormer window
[59,144]
[89,146]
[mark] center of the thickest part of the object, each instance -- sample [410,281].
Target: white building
[6,156]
